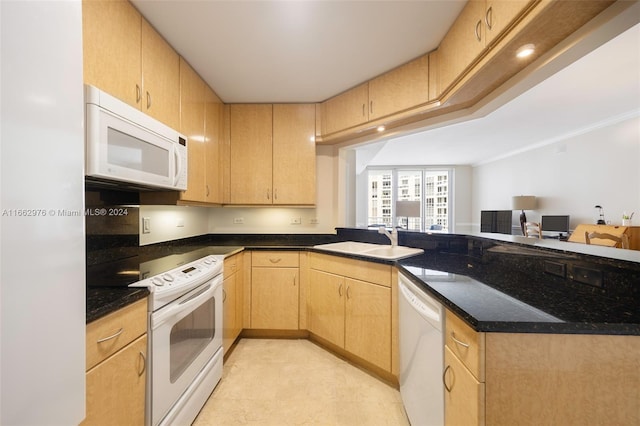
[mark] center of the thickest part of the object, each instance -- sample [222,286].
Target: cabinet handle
[138,93]
[340,290]
[207,188]
[370,107]
[272,260]
[363,109]
[144,364]
[348,292]
[148,100]
[444,379]
[294,280]
[224,295]
[478,37]
[488,18]
[463,344]
[113,336]
[268,194]
[275,194]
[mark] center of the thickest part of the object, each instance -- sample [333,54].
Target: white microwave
[124,147]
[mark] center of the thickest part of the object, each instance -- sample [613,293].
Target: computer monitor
[555,224]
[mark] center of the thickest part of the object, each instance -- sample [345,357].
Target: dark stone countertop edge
[101,301]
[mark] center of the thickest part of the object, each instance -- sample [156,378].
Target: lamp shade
[408,208]
[523,202]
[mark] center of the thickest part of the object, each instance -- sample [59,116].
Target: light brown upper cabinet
[294,154]
[124,56]
[251,155]
[477,26]
[192,94]
[399,89]
[213,121]
[346,110]
[272,154]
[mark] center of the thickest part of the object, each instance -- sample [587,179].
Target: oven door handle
[178,309]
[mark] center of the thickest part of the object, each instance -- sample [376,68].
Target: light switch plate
[146,225]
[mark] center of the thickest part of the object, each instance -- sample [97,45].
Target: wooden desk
[632,232]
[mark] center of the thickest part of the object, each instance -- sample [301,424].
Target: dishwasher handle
[428,309]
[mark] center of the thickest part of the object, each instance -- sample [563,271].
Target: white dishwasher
[421,323]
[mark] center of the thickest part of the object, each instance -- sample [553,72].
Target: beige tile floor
[295,382]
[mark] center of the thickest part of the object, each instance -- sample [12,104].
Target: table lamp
[522,203]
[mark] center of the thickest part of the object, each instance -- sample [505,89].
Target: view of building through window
[429,189]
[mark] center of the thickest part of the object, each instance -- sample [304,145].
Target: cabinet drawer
[372,272]
[232,264]
[111,333]
[466,343]
[276,259]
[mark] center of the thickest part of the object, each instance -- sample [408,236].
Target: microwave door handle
[178,166]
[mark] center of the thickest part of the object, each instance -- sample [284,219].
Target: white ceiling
[308,51]
[297,51]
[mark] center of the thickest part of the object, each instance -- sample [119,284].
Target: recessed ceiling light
[525,50]
[381,128]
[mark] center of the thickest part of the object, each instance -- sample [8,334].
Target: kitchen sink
[378,251]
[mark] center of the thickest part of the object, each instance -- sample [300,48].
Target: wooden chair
[623,240]
[532,229]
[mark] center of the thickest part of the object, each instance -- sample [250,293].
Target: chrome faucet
[393,236]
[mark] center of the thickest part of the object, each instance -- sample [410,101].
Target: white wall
[568,176]
[173,222]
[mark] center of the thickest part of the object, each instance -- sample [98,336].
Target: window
[427,187]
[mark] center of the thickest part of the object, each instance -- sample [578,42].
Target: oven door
[185,335]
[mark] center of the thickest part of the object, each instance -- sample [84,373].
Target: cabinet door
[160,78]
[346,110]
[229,325]
[462,44]
[251,158]
[326,306]
[499,14]
[368,322]
[116,387]
[192,126]
[463,396]
[212,135]
[111,38]
[274,298]
[399,89]
[294,154]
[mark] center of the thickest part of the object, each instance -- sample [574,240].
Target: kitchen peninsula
[588,305]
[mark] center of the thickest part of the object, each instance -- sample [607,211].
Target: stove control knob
[209,261]
[157,282]
[167,277]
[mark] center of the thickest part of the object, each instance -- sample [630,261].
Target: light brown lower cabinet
[232,301]
[275,290]
[539,379]
[116,387]
[117,367]
[351,313]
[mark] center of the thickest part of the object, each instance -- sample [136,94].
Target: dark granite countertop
[493,286]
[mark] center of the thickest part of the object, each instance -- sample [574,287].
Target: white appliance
[185,340]
[126,147]
[421,323]
[42,273]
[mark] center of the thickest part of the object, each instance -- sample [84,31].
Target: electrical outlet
[180,223]
[313,221]
[238,220]
[146,225]
[296,220]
